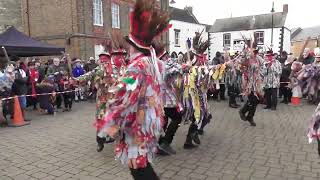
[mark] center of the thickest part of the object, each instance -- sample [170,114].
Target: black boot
[190,136]
[251,121]
[194,133]
[206,121]
[252,110]
[146,173]
[195,138]
[188,144]
[243,112]
[100,143]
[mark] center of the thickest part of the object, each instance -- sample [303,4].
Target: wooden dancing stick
[5,53]
[302,50]
[69,63]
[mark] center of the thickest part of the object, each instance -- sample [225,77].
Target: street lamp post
[272,11]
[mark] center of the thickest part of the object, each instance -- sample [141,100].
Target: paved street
[63,147]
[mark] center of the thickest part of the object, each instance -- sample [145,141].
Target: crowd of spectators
[43,85]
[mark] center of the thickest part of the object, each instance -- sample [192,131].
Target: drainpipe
[84,28]
[28,18]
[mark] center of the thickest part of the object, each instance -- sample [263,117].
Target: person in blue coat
[78,71]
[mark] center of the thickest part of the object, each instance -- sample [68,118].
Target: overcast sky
[304,13]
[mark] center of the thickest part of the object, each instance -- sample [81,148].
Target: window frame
[97,11]
[224,40]
[177,37]
[258,35]
[115,13]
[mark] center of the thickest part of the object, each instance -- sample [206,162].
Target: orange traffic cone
[18,119]
[295,101]
[296,94]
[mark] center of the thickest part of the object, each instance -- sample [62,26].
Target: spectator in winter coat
[46,101]
[55,68]
[90,65]
[32,82]
[20,86]
[219,60]
[285,79]
[271,72]
[78,71]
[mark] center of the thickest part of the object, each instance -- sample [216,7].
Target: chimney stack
[285,9]
[189,8]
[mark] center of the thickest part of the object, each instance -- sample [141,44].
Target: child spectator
[68,96]
[46,101]
[78,71]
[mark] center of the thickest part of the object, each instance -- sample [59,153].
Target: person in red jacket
[33,80]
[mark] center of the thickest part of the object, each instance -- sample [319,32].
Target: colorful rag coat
[232,74]
[251,75]
[271,74]
[103,80]
[196,80]
[172,72]
[309,78]
[136,112]
[314,128]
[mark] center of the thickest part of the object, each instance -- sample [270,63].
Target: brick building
[83,27]
[10,14]
[299,37]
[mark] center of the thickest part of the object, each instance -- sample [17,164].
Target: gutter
[28,18]
[73,35]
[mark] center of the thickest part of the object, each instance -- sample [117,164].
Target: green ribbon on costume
[129,80]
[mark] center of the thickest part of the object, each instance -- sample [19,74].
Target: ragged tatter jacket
[251,75]
[272,73]
[102,78]
[172,73]
[136,112]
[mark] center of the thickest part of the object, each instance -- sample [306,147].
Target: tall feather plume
[148,22]
[118,41]
[198,45]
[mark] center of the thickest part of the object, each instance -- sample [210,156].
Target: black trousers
[58,100]
[271,97]
[171,129]
[287,94]
[232,93]
[222,91]
[216,93]
[68,99]
[250,107]
[146,173]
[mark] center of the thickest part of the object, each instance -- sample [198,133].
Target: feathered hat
[200,48]
[198,45]
[146,23]
[118,43]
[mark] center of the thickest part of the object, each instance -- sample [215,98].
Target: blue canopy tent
[19,44]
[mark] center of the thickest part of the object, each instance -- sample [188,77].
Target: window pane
[115,15]
[97,12]
[227,39]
